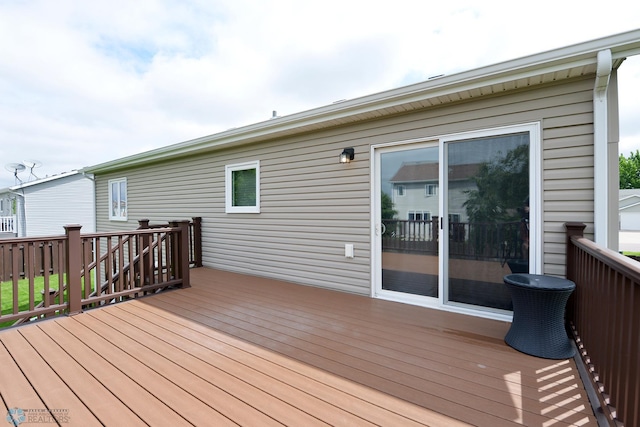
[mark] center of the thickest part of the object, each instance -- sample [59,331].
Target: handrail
[500,241]
[8,224]
[93,269]
[604,318]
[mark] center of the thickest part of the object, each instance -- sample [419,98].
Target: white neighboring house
[629,210]
[416,187]
[44,206]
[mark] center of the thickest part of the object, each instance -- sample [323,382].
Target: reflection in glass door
[487,218]
[409,214]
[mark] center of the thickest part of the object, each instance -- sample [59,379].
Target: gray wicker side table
[539,303]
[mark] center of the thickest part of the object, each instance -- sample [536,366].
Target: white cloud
[86,82]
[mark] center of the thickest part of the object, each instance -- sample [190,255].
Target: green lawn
[23,292]
[6,294]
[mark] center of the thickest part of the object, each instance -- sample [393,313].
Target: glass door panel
[487,214]
[409,220]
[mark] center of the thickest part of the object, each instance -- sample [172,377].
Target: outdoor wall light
[347,155]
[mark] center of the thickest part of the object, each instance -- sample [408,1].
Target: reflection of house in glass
[416,190]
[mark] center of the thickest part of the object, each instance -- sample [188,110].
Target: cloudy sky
[85,82]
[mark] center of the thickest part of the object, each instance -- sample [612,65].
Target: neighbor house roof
[422,171]
[629,199]
[39,181]
[44,180]
[564,63]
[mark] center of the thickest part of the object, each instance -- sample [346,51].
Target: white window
[401,190]
[242,187]
[419,216]
[430,189]
[118,199]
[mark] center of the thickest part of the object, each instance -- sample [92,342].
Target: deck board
[55,393]
[108,373]
[242,350]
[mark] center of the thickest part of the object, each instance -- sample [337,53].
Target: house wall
[311,205]
[5,205]
[630,219]
[49,206]
[414,200]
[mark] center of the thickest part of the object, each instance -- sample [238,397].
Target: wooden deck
[241,350]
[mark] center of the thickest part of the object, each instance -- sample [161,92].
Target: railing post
[572,229]
[197,241]
[74,267]
[180,253]
[435,231]
[147,272]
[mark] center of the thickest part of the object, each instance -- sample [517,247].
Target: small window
[242,187]
[118,199]
[419,216]
[401,190]
[430,190]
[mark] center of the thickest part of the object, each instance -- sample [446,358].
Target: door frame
[376,246]
[535,214]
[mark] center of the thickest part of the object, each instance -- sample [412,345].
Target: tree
[387,207]
[630,171]
[501,187]
[501,196]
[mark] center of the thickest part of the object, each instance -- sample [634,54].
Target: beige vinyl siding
[311,205]
[308,210]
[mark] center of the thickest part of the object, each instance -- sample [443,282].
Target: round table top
[540,282]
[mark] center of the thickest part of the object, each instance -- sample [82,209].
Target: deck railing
[66,274]
[195,238]
[604,315]
[8,224]
[467,240]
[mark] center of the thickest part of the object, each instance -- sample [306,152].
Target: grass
[6,295]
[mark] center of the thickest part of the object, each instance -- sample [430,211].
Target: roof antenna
[32,164]
[15,168]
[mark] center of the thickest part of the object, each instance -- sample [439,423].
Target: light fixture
[347,155]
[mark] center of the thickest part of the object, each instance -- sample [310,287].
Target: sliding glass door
[452,217]
[487,217]
[408,220]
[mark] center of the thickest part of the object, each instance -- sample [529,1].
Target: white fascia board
[534,65]
[43,180]
[632,205]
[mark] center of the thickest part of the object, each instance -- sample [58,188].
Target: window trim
[228,171]
[119,181]
[424,215]
[433,187]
